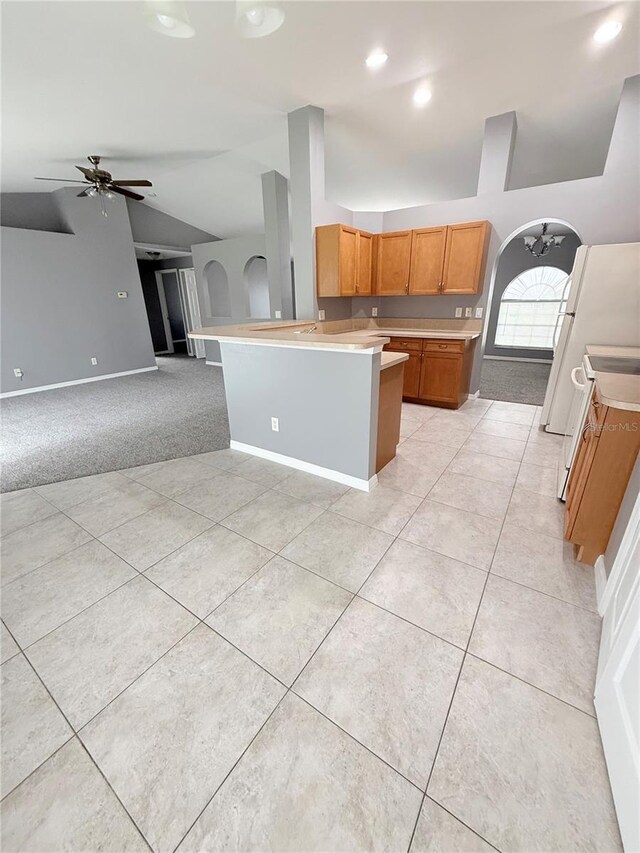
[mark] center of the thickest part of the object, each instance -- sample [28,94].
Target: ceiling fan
[100,183]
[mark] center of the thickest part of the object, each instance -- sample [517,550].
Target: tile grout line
[455,689]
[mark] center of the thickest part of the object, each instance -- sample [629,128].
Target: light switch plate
[278,315]
[468,312]
[275,424]
[458,312]
[321,314]
[479,312]
[94,360]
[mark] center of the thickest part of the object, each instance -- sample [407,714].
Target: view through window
[530,309]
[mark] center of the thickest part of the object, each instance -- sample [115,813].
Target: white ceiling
[204,117]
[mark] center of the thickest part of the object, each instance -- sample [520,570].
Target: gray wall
[233,255]
[514,260]
[59,302]
[602,209]
[327,403]
[36,211]
[152,226]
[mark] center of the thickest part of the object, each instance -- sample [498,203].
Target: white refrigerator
[603,308]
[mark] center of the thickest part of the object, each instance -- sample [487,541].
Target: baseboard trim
[309,467]
[75,382]
[600,573]
[474,396]
[214,363]
[513,358]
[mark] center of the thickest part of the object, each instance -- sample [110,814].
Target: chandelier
[542,244]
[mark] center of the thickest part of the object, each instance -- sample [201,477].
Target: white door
[617,694]
[192,309]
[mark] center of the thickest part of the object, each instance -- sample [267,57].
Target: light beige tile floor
[220,653]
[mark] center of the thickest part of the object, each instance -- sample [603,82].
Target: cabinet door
[441,377]
[427,260]
[580,474]
[394,261]
[348,260]
[464,257]
[364,266]
[411,383]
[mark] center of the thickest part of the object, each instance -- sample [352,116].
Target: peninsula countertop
[325,335]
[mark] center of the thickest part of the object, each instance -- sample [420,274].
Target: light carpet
[178,410]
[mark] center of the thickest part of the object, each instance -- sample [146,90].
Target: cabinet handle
[442,346]
[357,288]
[406,287]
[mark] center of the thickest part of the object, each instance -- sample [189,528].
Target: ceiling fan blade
[127,193]
[60,180]
[132,183]
[83,194]
[88,173]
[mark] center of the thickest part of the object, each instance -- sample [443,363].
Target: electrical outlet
[123,294]
[468,312]
[374,312]
[275,424]
[94,360]
[17,372]
[479,312]
[458,312]
[321,314]
[278,315]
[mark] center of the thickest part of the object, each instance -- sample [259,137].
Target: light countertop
[293,333]
[618,390]
[390,359]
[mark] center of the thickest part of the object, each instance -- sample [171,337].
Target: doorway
[178,296]
[528,298]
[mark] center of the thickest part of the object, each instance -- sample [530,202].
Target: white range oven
[582,379]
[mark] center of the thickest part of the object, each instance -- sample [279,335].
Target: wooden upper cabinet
[364,263]
[336,252]
[427,260]
[394,263]
[464,257]
[424,262]
[344,259]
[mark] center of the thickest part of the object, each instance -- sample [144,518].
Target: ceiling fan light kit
[169,17]
[259,18]
[99,183]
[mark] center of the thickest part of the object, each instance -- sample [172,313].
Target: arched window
[217,292]
[530,308]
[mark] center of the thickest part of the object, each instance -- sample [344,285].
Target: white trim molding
[513,358]
[75,382]
[309,467]
[214,363]
[600,573]
[474,396]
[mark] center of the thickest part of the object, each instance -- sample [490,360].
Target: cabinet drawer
[443,346]
[403,344]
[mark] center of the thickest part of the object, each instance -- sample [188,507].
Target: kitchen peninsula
[323,397]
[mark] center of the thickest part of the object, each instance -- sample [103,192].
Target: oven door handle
[574,374]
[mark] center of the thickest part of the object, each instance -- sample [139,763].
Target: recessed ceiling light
[607,32]
[170,18]
[421,96]
[376,59]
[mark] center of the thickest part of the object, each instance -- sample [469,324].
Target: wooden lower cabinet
[607,452]
[438,372]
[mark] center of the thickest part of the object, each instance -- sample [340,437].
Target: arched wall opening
[217,294]
[257,285]
[514,261]
[516,356]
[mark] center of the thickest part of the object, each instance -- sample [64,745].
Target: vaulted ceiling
[204,117]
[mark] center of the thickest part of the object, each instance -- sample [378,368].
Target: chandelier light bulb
[169,17]
[258,18]
[376,59]
[421,96]
[607,32]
